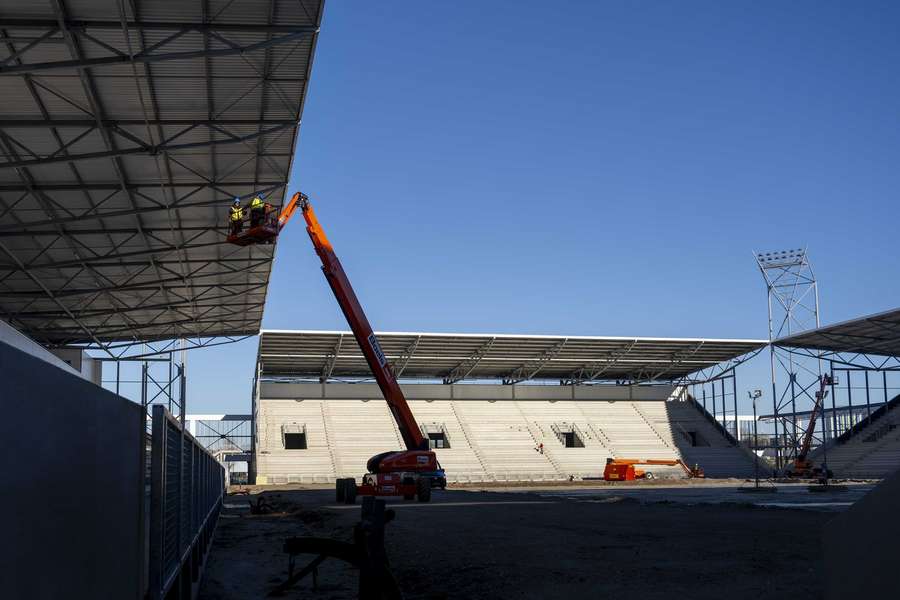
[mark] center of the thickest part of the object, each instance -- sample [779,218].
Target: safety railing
[186,491]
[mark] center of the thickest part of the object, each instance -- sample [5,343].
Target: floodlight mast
[793,306]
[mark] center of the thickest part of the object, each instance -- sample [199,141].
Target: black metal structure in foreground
[187,487]
[366,553]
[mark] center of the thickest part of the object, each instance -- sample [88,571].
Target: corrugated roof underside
[115,178]
[877,334]
[446,356]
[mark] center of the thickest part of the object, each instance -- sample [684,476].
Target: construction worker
[257,211]
[237,217]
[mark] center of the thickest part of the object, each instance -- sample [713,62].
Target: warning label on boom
[376,348]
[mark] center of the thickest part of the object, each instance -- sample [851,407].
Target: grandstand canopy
[877,334]
[454,357]
[124,137]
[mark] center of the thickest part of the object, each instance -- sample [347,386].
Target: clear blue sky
[588,168]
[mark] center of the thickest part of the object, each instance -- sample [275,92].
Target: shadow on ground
[478,544]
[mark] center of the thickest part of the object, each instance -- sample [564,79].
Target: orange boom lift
[410,472]
[622,469]
[802,466]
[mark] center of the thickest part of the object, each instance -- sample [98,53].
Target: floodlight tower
[793,307]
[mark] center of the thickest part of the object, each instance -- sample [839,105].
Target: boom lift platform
[409,473]
[622,469]
[269,226]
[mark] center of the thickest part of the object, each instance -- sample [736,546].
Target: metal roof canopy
[453,357]
[124,136]
[877,334]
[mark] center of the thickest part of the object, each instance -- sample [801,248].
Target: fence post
[157,498]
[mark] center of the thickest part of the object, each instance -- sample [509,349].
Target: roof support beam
[399,365]
[42,123]
[148,150]
[331,361]
[299,32]
[462,370]
[584,375]
[80,24]
[532,368]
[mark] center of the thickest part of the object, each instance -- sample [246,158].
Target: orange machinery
[802,466]
[269,226]
[623,469]
[412,472]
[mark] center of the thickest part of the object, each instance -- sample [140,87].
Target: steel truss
[861,385]
[793,305]
[717,396]
[111,211]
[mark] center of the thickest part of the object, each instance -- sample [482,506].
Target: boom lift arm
[359,324]
[802,467]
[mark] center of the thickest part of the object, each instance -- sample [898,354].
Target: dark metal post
[182,393]
[737,433]
[868,405]
[157,498]
[824,443]
[144,388]
[793,376]
[849,399]
[776,418]
[755,443]
[834,424]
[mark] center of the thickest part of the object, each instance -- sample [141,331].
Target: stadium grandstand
[863,357]
[480,401]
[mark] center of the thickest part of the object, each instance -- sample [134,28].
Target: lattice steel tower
[793,307]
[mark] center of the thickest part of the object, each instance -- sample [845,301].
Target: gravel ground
[543,542]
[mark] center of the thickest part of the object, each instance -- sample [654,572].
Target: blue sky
[588,168]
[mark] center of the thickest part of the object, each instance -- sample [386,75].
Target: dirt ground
[544,542]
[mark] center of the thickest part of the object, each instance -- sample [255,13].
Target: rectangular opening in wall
[295,441]
[568,434]
[293,436]
[436,434]
[438,439]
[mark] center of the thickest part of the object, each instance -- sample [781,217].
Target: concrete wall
[73,502]
[13,337]
[78,359]
[861,546]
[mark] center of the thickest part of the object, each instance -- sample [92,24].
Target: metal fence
[187,487]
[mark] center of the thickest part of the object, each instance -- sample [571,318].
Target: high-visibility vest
[257,203]
[237,213]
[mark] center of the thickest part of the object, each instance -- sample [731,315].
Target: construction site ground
[578,540]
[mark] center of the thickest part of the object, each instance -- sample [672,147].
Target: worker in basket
[236,216]
[257,211]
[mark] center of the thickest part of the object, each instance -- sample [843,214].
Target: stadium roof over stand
[877,334]
[453,357]
[126,129]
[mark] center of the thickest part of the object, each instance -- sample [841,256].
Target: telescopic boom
[359,324]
